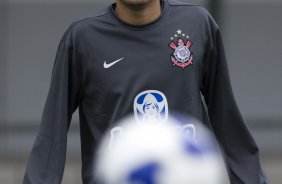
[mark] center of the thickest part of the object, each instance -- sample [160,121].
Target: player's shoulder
[184,7]
[79,26]
[94,17]
[200,13]
[179,3]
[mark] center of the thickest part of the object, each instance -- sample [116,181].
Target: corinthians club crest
[182,55]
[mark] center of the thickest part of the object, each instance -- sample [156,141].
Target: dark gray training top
[110,69]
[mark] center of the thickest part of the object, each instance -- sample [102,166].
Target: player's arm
[240,149]
[47,158]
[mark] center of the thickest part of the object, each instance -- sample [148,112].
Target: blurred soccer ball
[174,152]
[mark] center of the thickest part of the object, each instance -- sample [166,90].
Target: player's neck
[138,15]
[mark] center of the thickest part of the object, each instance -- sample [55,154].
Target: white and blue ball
[170,153]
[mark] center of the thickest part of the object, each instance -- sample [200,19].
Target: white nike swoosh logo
[108,65]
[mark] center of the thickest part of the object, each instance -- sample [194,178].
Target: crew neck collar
[150,25]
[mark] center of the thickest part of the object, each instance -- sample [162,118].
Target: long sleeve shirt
[103,63]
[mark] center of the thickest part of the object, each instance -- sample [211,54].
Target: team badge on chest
[181,55]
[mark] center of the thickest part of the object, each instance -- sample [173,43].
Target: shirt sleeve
[239,148]
[47,158]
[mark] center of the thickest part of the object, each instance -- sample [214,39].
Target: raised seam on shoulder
[98,14]
[180,3]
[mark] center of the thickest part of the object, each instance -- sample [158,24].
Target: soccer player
[108,64]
